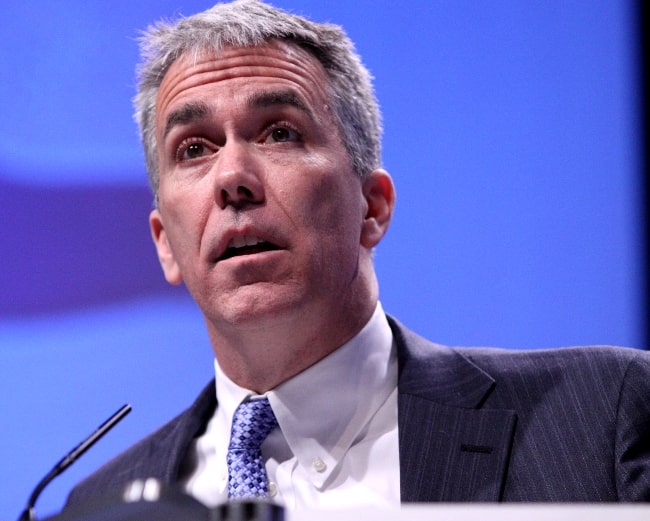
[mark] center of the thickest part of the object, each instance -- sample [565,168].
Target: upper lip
[237,238]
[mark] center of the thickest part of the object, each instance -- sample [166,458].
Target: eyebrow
[274,98]
[186,114]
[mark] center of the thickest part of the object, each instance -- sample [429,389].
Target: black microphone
[29,512]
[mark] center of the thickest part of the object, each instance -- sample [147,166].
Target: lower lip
[251,257]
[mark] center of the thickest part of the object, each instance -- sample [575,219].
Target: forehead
[275,64]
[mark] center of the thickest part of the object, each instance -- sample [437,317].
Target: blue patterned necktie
[251,424]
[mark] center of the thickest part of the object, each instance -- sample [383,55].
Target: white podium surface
[482,512]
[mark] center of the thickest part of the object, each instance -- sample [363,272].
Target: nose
[237,177]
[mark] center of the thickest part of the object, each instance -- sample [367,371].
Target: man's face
[260,212]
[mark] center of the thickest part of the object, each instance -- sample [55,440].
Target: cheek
[185,220]
[339,201]
[308,206]
[322,188]
[330,208]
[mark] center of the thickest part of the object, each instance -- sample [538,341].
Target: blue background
[512,134]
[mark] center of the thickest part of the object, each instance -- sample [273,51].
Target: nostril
[242,190]
[238,197]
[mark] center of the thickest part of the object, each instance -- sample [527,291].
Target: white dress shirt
[337,445]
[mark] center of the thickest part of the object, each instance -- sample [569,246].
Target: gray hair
[250,23]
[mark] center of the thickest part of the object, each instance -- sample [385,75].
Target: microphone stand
[29,514]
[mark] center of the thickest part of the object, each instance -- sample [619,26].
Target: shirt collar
[323,410]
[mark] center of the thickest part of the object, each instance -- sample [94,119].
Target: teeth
[245,240]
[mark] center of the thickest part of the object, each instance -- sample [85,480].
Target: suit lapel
[450,448]
[182,432]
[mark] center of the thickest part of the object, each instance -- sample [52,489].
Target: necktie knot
[251,424]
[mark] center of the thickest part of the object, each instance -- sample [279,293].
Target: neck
[261,358]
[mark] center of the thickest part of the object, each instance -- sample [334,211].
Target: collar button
[319,465]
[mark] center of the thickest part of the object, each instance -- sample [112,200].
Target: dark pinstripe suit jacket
[479,425]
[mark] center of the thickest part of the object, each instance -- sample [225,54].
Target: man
[261,135]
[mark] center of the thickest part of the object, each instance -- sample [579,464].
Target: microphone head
[248,510]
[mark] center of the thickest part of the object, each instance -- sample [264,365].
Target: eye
[193,149]
[282,135]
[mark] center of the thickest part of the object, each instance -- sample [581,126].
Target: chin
[256,311]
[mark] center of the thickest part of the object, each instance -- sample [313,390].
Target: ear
[165,255]
[379,194]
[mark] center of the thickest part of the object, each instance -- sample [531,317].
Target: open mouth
[246,245]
